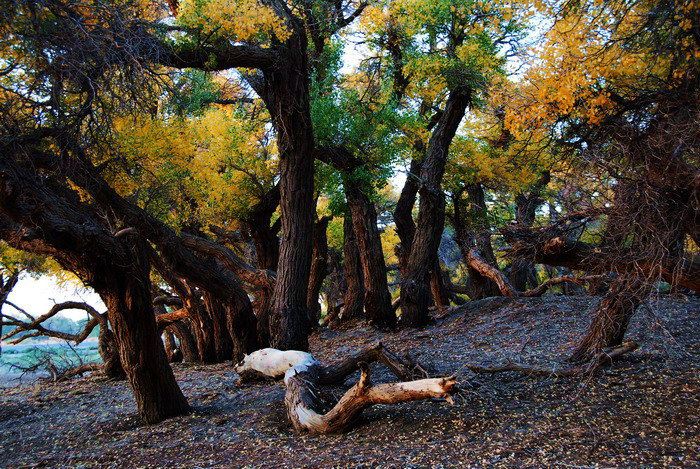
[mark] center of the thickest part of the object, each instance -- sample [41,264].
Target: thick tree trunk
[287,98]
[319,266]
[54,222]
[129,309]
[378,310]
[415,286]
[611,318]
[354,293]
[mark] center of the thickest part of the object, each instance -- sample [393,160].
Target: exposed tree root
[602,359]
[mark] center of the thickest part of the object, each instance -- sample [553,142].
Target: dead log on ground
[308,411]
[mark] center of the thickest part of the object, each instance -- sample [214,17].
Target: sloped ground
[645,411]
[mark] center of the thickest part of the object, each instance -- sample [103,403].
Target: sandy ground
[642,412]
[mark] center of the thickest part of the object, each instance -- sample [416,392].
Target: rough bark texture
[415,286]
[473,232]
[129,309]
[287,98]
[186,342]
[53,221]
[522,271]
[611,318]
[109,352]
[354,293]
[378,310]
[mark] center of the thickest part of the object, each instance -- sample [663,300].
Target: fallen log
[308,411]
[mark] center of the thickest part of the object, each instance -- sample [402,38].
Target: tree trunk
[522,272]
[403,215]
[415,286]
[130,311]
[611,318]
[186,343]
[438,288]
[473,231]
[378,310]
[172,351]
[288,100]
[336,282]
[354,293]
[109,352]
[55,222]
[319,264]
[223,328]
[6,287]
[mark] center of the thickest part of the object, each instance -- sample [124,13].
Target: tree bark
[53,221]
[319,265]
[308,412]
[109,352]
[611,318]
[129,309]
[288,100]
[354,293]
[403,215]
[6,287]
[522,271]
[187,345]
[378,310]
[415,286]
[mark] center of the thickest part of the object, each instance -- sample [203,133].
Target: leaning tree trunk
[612,316]
[354,293]
[130,312]
[378,310]
[117,267]
[288,100]
[187,345]
[309,411]
[319,269]
[415,286]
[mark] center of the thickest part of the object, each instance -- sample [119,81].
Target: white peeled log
[272,363]
[308,411]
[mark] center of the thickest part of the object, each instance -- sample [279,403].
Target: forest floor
[644,411]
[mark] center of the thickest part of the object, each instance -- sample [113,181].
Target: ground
[643,411]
